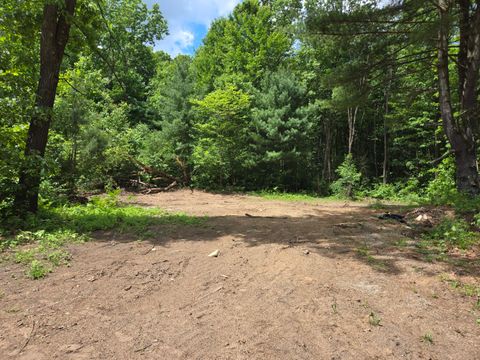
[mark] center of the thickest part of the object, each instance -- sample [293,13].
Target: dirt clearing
[295,280]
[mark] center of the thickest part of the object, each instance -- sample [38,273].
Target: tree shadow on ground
[381,244]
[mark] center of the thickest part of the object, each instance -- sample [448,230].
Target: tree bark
[54,37]
[385,128]
[352,119]
[327,153]
[460,134]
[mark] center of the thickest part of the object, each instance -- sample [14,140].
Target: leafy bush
[441,190]
[452,233]
[37,270]
[383,191]
[348,178]
[407,192]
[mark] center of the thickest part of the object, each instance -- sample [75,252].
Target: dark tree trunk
[385,129]
[54,38]
[327,153]
[460,132]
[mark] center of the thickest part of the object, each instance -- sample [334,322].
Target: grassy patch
[449,234]
[37,270]
[38,242]
[364,253]
[401,243]
[452,233]
[395,206]
[374,319]
[281,196]
[470,290]
[427,338]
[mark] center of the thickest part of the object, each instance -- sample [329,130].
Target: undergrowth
[38,241]
[451,233]
[285,196]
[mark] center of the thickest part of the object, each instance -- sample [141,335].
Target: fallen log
[153,171]
[157,189]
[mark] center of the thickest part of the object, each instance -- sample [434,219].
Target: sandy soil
[289,283]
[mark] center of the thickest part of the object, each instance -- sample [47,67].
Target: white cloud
[181,15]
[177,42]
[195,11]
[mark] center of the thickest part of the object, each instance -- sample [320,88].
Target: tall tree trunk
[385,151]
[54,38]
[327,153]
[352,119]
[385,128]
[460,133]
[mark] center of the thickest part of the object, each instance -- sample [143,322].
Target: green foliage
[374,319]
[262,104]
[348,178]
[281,133]
[282,196]
[25,256]
[427,338]
[384,191]
[37,270]
[241,48]
[405,192]
[452,233]
[441,190]
[171,93]
[221,146]
[18,72]
[39,241]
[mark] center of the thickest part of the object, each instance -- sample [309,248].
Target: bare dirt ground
[295,281]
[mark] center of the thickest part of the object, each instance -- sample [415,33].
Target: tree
[221,143]
[400,24]
[172,91]
[460,130]
[281,133]
[118,33]
[240,49]
[53,40]
[18,75]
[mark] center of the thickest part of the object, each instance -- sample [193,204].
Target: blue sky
[188,22]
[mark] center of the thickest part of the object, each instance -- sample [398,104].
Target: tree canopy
[327,96]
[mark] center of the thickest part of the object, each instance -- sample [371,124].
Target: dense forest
[370,98]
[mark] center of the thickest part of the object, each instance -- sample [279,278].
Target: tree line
[334,96]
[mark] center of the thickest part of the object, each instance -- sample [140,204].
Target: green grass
[374,319]
[427,338]
[364,253]
[401,243]
[451,233]
[38,242]
[465,289]
[37,270]
[396,206]
[469,290]
[285,196]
